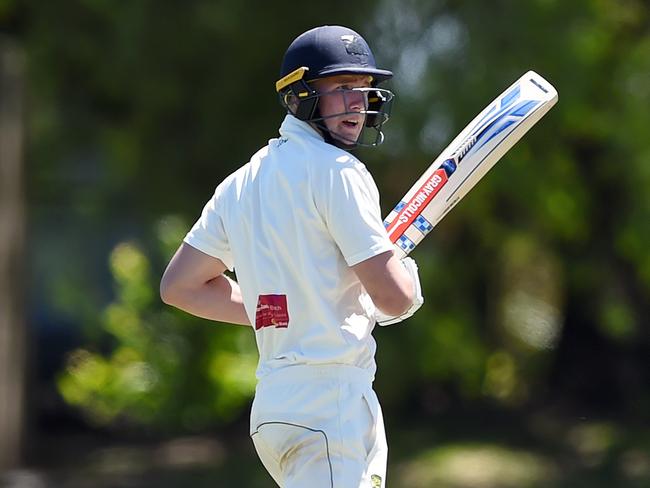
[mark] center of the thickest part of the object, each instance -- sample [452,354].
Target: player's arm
[389,283]
[194,282]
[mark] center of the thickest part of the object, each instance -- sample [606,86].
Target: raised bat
[467,159]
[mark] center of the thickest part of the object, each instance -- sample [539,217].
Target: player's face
[338,97]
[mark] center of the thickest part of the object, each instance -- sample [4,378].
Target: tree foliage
[164,369]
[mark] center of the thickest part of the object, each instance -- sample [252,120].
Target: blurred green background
[529,364]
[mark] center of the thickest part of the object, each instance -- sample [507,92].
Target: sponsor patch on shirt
[272,311]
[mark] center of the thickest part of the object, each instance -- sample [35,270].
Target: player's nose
[357,100]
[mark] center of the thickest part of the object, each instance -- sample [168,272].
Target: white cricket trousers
[320,427]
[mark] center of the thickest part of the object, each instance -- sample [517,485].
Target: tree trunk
[12,213]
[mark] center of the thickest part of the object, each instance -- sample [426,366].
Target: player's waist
[306,372]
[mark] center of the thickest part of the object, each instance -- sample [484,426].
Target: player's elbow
[166,293]
[170,291]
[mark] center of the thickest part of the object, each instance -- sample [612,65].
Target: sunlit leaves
[130,268]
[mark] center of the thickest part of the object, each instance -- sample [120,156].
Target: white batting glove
[418,299]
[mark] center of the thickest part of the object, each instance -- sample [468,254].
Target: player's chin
[347,134]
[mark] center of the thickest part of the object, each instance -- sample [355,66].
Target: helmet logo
[354,45]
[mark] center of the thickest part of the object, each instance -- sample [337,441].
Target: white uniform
[291,222]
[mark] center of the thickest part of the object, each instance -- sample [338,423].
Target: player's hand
[418,299]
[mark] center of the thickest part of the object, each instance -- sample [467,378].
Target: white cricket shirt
[291,222]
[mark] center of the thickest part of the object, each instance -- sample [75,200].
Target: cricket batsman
[300,224]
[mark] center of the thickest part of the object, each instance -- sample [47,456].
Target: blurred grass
[475,466]
[569,454]
[542,453]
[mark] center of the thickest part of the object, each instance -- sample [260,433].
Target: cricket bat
[467,159]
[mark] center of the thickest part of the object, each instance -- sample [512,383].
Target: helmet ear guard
[296,95]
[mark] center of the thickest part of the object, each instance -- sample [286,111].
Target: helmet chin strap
[341,144]
[321,127]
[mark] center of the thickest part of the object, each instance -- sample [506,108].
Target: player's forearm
[219,299]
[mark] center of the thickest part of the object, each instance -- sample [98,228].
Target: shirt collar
[294,127]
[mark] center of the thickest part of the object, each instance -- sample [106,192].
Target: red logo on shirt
[271,311]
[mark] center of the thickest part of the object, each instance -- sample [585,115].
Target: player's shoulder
[234,182]
[252,166]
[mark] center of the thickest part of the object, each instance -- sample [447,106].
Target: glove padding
[418,300]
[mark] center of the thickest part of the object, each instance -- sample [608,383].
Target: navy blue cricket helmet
[324,51]
[331,50]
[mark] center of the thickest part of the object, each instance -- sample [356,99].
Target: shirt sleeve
[208,233]
[353,214]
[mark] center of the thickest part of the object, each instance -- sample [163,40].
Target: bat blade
[467,159]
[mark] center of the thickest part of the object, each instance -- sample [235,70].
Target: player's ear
[290,101]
